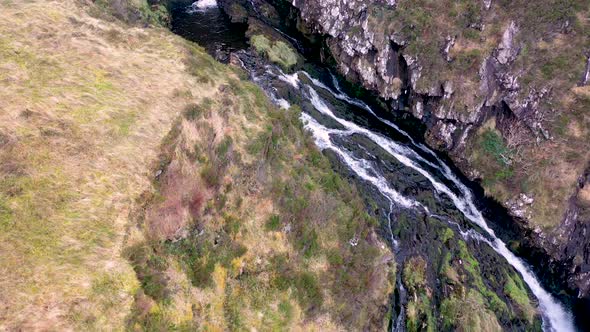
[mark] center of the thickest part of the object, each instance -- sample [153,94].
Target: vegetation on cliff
[453,284]
[277,51]
[547,59]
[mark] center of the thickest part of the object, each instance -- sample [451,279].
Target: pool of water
[210,28]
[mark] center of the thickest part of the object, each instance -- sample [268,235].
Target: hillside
[144,186]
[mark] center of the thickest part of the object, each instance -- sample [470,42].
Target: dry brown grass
[84,105]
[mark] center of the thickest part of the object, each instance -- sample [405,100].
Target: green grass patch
[517,292]
[309,291]
[277,51]
[199,254]
[149,267]
[414,273]
[273,223]
[446,234]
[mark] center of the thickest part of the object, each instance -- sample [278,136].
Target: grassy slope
[269,228]
[87,111]
[84,104]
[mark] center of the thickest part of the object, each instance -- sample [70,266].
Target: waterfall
[369,168]
[555,317]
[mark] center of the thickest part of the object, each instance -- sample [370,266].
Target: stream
[369,146]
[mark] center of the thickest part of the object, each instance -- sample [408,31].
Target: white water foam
[555,318]
[201,5]
[283,103]
[340,95]
[361,167]
[292,79]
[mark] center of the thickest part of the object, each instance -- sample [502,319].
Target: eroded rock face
[506,51]
[571,240]
[361,53]
[455,105]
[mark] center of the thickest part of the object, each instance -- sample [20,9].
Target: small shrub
[309,292]
[223,149]
[446,234]
[157,14]
[232,225]
[113,36]
[469,59]
[211,175]
[192,111]
[195,203]
[414,273]
[493,144]
[219,158]
[471,34]
[267,143]
[149,268]
[281,270]
[307,242]
[273,223]
[335,258]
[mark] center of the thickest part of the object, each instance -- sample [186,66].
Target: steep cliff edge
[502,87]
[146,187]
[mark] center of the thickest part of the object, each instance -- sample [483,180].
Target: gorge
[368,162]
[294,165]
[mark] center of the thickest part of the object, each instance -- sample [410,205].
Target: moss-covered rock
[276,51]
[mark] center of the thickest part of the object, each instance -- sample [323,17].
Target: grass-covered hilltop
[144,186]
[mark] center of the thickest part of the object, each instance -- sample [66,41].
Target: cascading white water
[361,167]
[555,317]
[425,163]
[201,5]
